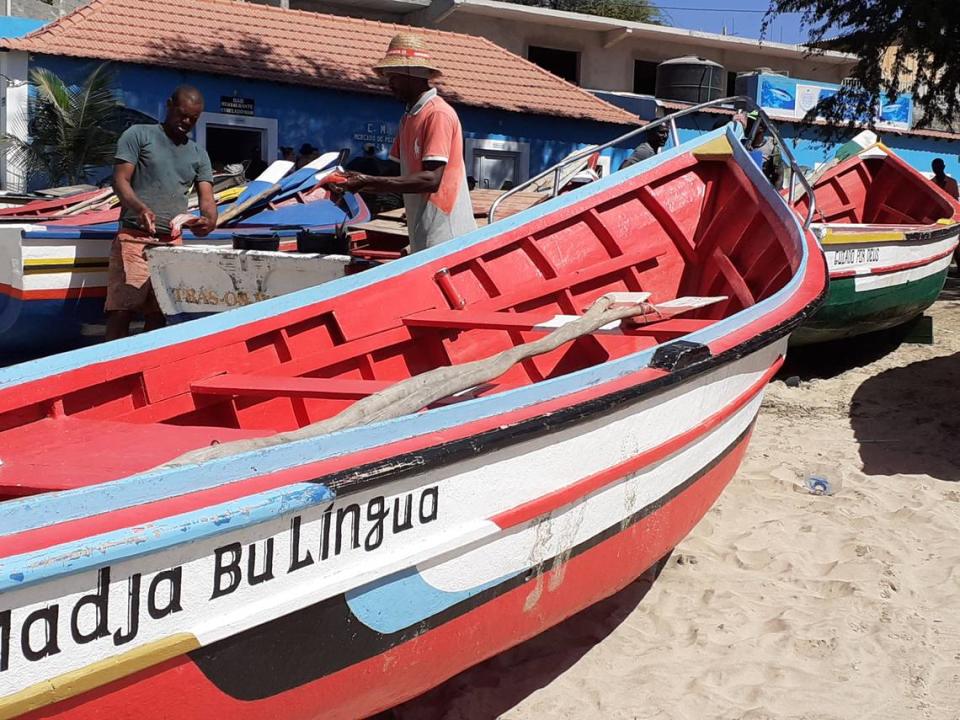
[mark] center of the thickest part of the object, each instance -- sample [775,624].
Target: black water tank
[691,79]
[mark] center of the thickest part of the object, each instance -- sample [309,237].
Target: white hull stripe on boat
[846,261]
[598,443]
[876,282]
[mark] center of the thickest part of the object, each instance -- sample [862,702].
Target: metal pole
[674,135]
[671,120]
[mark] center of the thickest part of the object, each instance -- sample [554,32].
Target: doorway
[238,139]
[495,163]
[495,170]
[229,146]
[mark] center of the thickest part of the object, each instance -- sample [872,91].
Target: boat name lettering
[50,629]
[117,613]
[853,256]
[205,296]
[336,531]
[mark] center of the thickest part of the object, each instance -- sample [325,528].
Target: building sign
[792,99]
[236,105]
[378,133]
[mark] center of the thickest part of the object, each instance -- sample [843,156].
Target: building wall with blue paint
[810,144]
[815,144]
[331,119]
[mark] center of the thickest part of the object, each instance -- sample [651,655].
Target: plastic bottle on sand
[819,480]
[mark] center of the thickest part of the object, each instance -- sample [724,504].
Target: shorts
[128,276]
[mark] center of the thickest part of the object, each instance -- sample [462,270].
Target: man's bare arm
[122,174]
[207,221]
[426,181]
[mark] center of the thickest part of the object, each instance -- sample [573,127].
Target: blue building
[274,78]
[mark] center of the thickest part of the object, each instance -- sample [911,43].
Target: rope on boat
[414,394]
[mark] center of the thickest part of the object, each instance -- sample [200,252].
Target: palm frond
[69,126]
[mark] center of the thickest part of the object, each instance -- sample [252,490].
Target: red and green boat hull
[887,284]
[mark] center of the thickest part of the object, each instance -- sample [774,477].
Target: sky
[740,17]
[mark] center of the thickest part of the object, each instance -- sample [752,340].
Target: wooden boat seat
[32,464]
[535,322]
[238,384]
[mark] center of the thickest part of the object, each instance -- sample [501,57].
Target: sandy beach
[782,604]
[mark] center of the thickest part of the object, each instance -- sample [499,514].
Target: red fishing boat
[323,504]
[888,234]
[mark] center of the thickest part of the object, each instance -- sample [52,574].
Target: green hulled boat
[888,235]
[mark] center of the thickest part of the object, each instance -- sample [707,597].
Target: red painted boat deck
[87,452]
[881,191]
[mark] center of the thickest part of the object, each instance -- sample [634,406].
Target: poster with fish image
[777,93]
[787,98]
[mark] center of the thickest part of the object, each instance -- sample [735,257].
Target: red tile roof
[304,48]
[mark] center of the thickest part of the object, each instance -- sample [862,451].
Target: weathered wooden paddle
[280,184]
[265,186]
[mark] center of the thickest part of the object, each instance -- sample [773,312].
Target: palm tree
[72,129]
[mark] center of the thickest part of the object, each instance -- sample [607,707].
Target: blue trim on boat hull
[29,327]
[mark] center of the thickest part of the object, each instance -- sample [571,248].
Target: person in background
[944,181]
[308,153]
[287,153]
[154,168]
[429,147]
[653,140]
[764,148]
[949,186]
[368,163]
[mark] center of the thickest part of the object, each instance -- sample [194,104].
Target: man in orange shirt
[429,148]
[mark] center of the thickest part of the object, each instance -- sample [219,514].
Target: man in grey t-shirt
[155,167]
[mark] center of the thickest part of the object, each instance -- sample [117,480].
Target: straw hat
[407,54]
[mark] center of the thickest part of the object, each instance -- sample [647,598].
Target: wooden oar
[293,180]
[411,395]
[263,187]
[81,206]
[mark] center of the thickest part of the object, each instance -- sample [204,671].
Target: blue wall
[333,119]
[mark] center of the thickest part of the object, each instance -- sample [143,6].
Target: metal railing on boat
[739,102]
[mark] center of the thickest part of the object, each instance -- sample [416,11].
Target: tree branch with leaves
[902,46]
[634,10]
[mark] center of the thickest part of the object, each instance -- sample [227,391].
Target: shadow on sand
[951,290]
[828,360]
[907,420]
[493,687]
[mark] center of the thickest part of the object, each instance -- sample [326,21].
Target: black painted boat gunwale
[395,467]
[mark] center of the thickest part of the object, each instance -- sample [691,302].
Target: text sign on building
[236,105]
[377,133]
[790,98]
